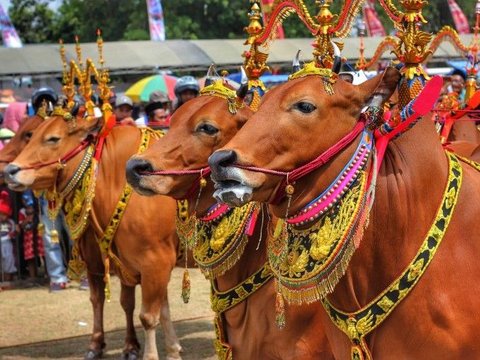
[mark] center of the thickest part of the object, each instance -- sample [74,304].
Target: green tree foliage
[207,19]
[33,20]
[119,20]
[184,19]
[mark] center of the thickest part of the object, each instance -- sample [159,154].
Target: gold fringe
[228,263]
[324,287]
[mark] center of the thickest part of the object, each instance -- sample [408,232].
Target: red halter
[65,158]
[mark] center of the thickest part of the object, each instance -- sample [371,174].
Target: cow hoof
[174,357]
[130,355]
[93,354]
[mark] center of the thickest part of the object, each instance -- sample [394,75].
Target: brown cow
[197,129]
[19,141]
[417,183]
[145,241]
[89,246]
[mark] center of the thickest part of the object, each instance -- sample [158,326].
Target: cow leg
[171,340]
[154,294]
[97,298]
[132,346]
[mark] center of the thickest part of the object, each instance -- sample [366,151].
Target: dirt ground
[36,324]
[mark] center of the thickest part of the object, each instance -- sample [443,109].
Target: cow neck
[358,324]
[228,248]
[109,206]
[410,164]
[310,251]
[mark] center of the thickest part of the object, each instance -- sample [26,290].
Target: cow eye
[305,107]
[208,129]
[53,140]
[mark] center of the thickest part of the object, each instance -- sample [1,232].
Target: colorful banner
[372,22]
[9,34]
[459,18]
[267,10]
[155,20]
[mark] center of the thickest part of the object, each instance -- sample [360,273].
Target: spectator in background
[123,110]
[7,237]
[44,94]
[186,89]
[32,243]
[52,228]
[14,115]
[457,84]
[158,110]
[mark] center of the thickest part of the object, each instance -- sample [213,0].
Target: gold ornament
[186,286]
[54,238]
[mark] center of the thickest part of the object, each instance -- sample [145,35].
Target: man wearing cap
[123,110]
[158,110]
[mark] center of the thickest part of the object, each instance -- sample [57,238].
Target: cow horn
[337,59]
[211,75]
[244,77]
[296,62]
[242,91]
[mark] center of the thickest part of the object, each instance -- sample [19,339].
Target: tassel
[54,236]
[40,229]
[280,310]
[186,286]
[106,278]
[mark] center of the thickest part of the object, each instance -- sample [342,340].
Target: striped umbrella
[141,90]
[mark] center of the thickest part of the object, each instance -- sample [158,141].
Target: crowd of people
[30,240]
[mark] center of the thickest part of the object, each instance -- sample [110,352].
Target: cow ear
[378,90]
[88,124]
[375,93]
[345,76]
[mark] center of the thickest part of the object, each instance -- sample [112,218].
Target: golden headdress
[83,73]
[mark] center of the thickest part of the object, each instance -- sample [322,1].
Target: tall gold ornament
[412,46]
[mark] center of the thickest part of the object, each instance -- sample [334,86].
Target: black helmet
[186,83]
[41,94]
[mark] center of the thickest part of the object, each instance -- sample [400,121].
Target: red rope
[68,156]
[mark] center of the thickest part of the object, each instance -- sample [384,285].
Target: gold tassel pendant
[106,278]
[280,319]
[40,230]
[186,287]
[54,236]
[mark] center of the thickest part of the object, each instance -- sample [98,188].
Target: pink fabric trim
[330,198]
[219,211]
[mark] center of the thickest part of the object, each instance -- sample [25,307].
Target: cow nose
[136,169]
[11,170]
[221,159]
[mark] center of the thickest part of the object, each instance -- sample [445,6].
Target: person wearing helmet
[186,89]
[45,93]
[158,110]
